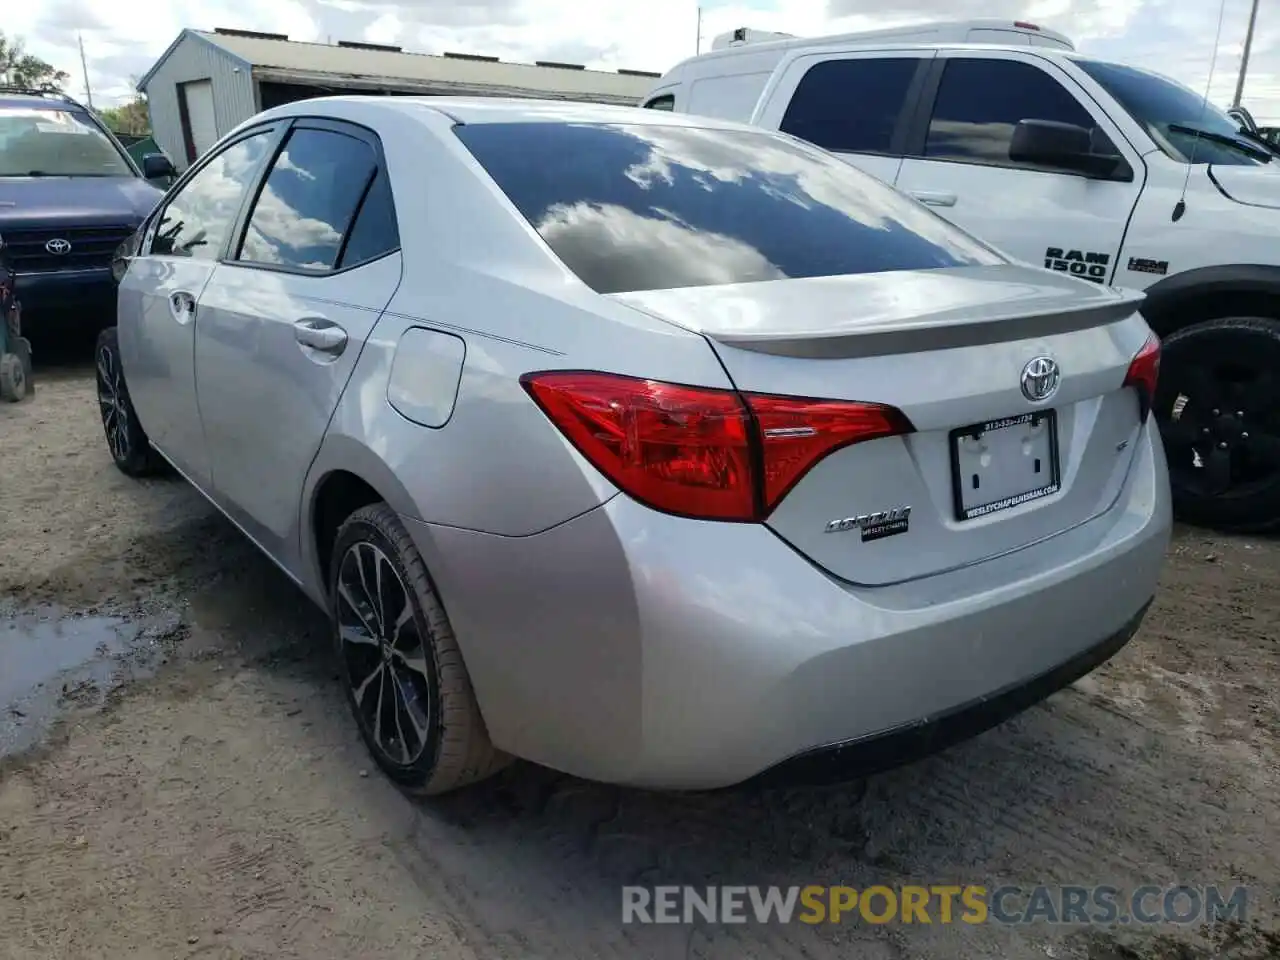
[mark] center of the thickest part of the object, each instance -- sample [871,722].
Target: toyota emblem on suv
[1040,379]
[58,246]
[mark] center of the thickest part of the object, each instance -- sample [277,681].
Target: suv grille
[90,247]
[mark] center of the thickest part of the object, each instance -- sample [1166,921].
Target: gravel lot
[202,791]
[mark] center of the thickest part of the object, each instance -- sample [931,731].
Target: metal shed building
[208,82]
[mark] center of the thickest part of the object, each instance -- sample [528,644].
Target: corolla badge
[57,246]
[1040,379]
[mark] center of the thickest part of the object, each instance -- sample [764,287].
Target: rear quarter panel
[476,270]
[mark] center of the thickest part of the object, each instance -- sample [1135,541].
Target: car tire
[1218,408]
[406,684]
[130,448]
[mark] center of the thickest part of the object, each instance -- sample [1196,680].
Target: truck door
[958,162]
[857,105]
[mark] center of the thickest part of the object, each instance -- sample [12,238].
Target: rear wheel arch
[345,476]
[1212,293]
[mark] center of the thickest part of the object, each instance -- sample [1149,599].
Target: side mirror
[1049,143]
[156,166]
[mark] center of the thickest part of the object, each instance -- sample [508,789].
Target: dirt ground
[208,796]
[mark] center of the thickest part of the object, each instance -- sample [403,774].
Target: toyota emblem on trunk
[58,246]
[1040,379]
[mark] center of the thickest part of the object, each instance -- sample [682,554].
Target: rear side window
[309,200]
[645,207]
[981,101]
[375,231]
[851,106]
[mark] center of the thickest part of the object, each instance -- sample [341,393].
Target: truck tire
[1218,408]
[406,684]
[130,448]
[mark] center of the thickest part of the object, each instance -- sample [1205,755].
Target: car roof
[32,100]
[481,110]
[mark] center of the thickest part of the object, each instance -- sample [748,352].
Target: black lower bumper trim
[901,745]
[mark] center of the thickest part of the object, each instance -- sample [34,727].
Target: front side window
[1178,119]
[981,101]
[198,220]
[309,200]
[39,141]
[642,206]
[665,102]
[851,106]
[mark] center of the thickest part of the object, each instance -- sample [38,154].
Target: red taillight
[1144,371]
[795,434]
[1024,25]
[701,452]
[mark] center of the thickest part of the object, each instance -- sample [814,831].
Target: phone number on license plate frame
[1004,463]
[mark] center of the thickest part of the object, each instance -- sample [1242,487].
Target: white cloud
[1173,36]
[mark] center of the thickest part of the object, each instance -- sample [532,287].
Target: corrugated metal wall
[193,59]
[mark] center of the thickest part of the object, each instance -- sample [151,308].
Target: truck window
[980,101]
[644,206]
[1172,114]
[851,106]
[665,102]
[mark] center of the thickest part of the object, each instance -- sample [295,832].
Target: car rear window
[630,207]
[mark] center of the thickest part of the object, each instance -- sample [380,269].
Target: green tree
[131,117]
[22,69]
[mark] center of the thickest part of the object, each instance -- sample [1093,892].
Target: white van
[1102,170]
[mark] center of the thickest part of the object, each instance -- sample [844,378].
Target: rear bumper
[634,647]
[928,735]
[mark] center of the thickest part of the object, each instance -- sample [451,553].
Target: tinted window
[1171,114]
[375,231]
[850,105]
[981,101]
[642,207]
[665,102]
[52,142]
[309,200]
[197,221]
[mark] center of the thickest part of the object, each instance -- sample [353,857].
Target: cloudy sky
[1173,36]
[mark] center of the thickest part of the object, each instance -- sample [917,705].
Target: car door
[283,319]
[158,296]
[855,104]
[959,163]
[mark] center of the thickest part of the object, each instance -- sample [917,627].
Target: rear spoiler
[939,330]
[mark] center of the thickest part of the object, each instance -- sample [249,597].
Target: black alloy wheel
[406,683]
[1218,408]
[126,440]
[390,672]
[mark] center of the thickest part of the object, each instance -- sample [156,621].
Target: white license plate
[1004,463]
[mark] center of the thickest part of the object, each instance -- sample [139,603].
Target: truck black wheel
[1218,407]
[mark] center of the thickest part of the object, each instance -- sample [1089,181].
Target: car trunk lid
[987,470]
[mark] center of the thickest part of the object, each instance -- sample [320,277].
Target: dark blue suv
[69,195]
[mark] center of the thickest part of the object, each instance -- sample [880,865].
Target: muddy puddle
[53,659]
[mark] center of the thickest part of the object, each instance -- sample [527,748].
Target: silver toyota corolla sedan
[658,450]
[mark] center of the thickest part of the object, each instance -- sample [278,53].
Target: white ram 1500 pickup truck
[1101,170]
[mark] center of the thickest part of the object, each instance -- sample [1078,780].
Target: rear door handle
[935,199]
[320,334]
[182,305]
